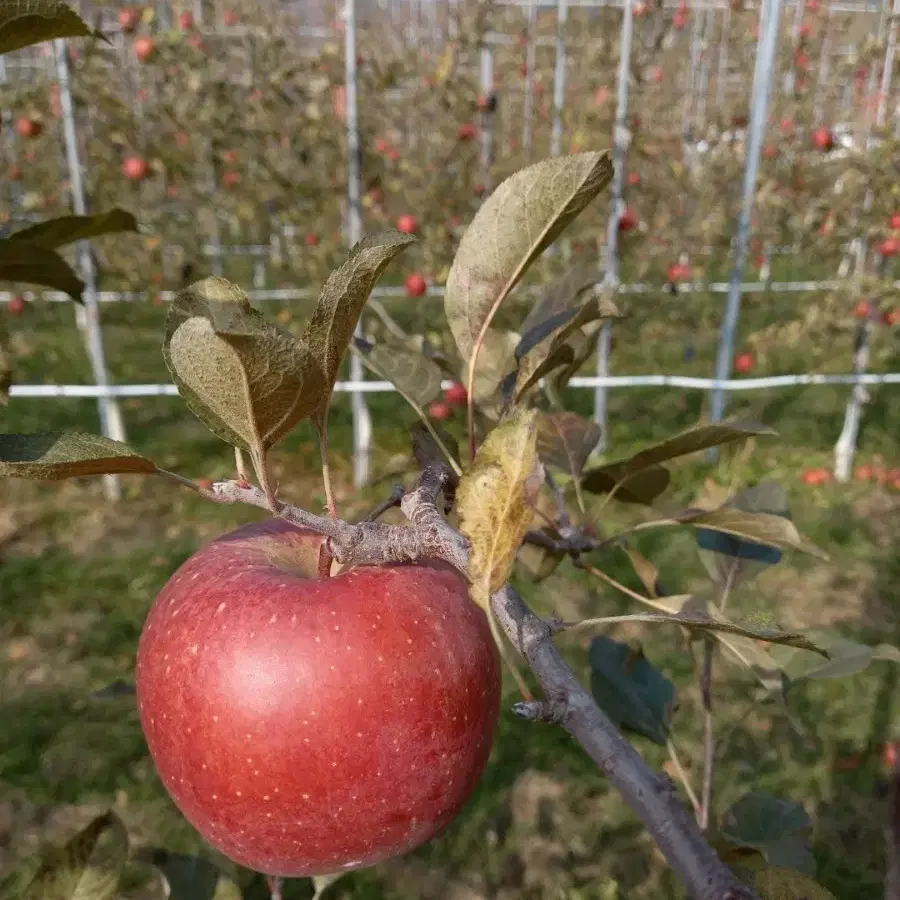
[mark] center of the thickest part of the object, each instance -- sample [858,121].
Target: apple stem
[241,464]
[261,464]
[326,469]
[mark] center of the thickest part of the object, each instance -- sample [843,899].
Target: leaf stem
[261,464]
[441,446]
[599,573]
[240,462]
[326,467]
[709,749]
[683,777]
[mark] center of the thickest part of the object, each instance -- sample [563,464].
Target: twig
[651,796]
[394,500]
[275,885]
[326,467]
[892,880]
[683,777]
[709,742]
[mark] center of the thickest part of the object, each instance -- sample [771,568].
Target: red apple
[230,18]
[628,219]
[186,21]
[815,477]
[14,173]
[863,309]
[889,247]
[128,19]
[440,410]
[633,179]
[863,472]
[28,128]
[456,394]
[416,285]
[16,306]
[306,724]
[891,317]
[196,41]
[823,139]
[744,362]
[382,145]
[770,151]
[465,132]
[483,103]
[890,754]
[135,168]
[895,221]
[230,178]
[145,49]
[311,240]
[678,272]
[407,224]
[230,157]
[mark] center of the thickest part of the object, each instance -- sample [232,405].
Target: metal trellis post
[87,315]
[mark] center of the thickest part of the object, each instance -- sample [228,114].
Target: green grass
[77,577]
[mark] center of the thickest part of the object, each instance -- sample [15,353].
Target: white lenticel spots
[266,797]
[195,648]
[215,718]
[305,797]
[215,796]
[220,607]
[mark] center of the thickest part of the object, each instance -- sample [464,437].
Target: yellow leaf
[496,501]
[446,64]
[786,884]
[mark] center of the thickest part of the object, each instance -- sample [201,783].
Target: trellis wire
[770,18]
[87,315]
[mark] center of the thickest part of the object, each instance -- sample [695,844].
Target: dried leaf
[190,877]
[248,380]
[425,447]
[52,456]
[341,303]
[645,570]
[27,22]
[67,229]
[520,219]
[29,263]
[846,657]
[630,689]
[495,501]
[886,653]
[415,377]
[565,440]
[88,867]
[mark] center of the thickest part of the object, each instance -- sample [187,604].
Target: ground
[77,576]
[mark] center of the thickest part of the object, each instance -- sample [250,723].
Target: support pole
[762,81]
[559,78]
[362,420]
[528,115]
[87,315]
[621,140]
[487,117]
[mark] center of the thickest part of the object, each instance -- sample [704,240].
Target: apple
[416,285]
[145,49]
[656,74]
[407,224]
[196,41]
[456,394]
[186,21]
[891,317]
[382,145]
[465,132]
[889,247]
[633,179]
[895,221]
[16,306]
[484,103]
[230,157]
[823,139]
[678,272]
[135,168]
[230,18]
[863,309]
[14,173]
[311,240]
[863,472]
[128,19]
[804,31]
[230,178]
[890,755]
[628,219]
[816,477]
[440,410]
[770,151]
[305,724]
[801,60]
[744,362]
[28,128]
[182,139]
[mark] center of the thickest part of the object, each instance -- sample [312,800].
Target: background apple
[416,285]
[28,128]
[408,224]
[440,411]
[135,168]
[144,49]
[456,395]
[16,306]
[308,725]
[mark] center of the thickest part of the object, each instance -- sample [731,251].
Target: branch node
[542,710]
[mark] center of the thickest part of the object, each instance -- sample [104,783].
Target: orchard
[588,589]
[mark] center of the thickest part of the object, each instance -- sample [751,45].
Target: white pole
[87,315]
[846,446]
[362,420]
[528,126]
[487,117]
[621,140]
[559,78]
[762,79]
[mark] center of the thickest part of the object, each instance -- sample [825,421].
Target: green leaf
[88,867]
[783,883]
[886,653]
[67,229]
[495,501]
[778,829]
[190,877]
[563,311]
[642,487]
[520,219]
[762,528]
[248,380]
[757,659]
[583,344]
[341,303]
[52,456]
[846,657]
[565,440]
[416,378]
[732,559]
[630,689]
[27,22]
[28,263]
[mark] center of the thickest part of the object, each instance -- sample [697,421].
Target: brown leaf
[565,441]
[53,456]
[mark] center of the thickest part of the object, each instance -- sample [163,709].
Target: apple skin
[309,726]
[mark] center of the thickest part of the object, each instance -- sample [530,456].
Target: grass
[77,577]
